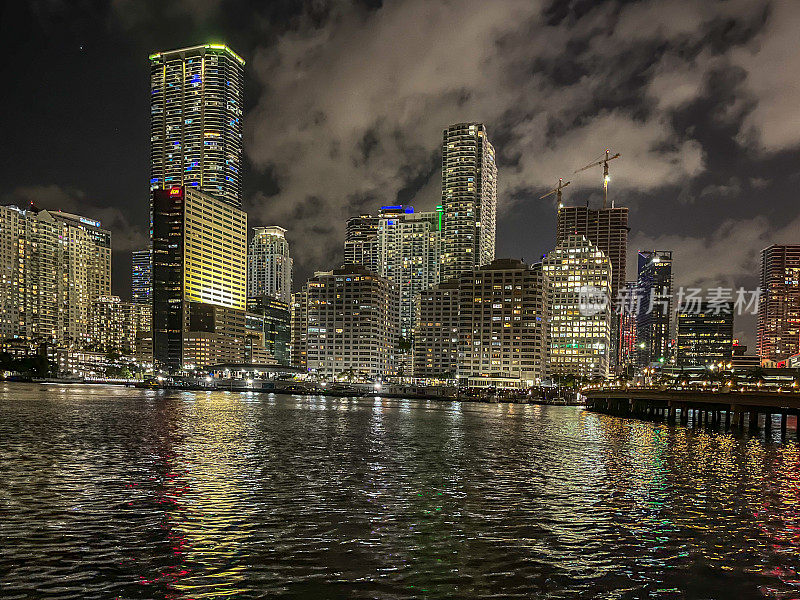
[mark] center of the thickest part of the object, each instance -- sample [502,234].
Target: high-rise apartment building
[352,327]
[779,303]
[503,325]
[269,266]
[579,275]
[196,121]
[116,325]
[408,256]
[54,265]
[199,261]
[705,334]
[469,199]
[361,242]
[435,350]
[655,306]
[141,280]
[402,246]
[628,350]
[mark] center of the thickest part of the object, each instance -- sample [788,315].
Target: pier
[751,410]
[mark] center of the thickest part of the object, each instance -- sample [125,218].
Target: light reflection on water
[119,493]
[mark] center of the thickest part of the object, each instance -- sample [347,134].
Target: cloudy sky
[346,102]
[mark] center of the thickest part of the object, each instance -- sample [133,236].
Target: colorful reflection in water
[117,493]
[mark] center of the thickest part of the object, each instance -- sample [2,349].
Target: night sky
[346,102]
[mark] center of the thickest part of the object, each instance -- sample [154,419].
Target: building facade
[351,323]
[196,120]
[779,303]
[705,334]
[54,265]
[502,325]
[141,280]
[199,258]
[435,348]
[408,256]
[298,327]
[269,266]
[469,199]
[361,242]
[580,330]
[116,325]
[275,319]
[655,306]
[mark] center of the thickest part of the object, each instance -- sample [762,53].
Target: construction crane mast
[557,190]
[606,177]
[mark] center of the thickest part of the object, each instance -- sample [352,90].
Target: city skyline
[719,112]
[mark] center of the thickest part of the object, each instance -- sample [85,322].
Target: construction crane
[557,190]
[606,177]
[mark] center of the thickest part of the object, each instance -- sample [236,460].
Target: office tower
[141,283]
[255,344]
[627,325]
[655,306]
[408,255]
[116,325]
[199,279]
[352,327]
[275,318]
[469,199]
[269,266]
[580,331]
[502,325]
[54,265]
[298,354]
[705,334]
[196,121]
[435,349]
[606,228]
[779,303]
[361,242]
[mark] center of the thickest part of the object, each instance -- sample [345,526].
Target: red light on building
[176,191]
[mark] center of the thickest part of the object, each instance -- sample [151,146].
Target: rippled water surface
[118,493]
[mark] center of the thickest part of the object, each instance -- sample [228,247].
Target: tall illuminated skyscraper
[469,199]
[141,280]
[269,266]
[655,306]
[196,120]
[199,279]
[580,333]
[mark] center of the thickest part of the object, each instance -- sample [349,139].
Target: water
[118,493]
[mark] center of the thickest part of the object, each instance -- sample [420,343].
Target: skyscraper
[269,266]
[606,228]
[199,278]
[580,335]
[705,334]
[469,199]
[779,303]
[655,306]
[408,255]
[361,242]
[196,120]
[141,281]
